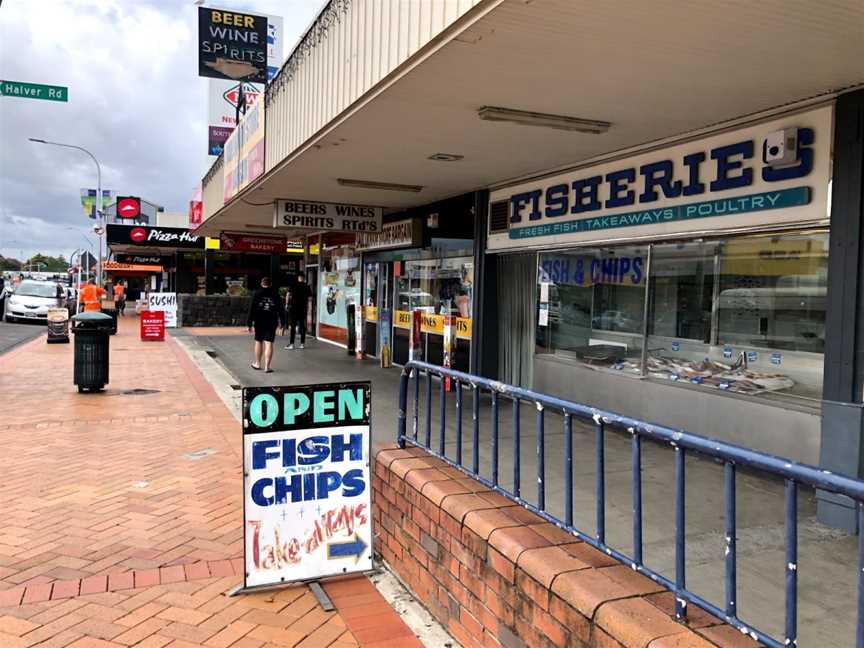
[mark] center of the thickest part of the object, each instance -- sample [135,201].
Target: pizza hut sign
[146,236]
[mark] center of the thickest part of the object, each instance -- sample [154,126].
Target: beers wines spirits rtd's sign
[306,482]
[304,214]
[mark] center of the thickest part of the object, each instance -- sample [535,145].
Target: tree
[8,263]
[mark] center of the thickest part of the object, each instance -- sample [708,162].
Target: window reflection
[745,314]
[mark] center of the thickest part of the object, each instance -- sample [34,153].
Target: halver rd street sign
[33,91]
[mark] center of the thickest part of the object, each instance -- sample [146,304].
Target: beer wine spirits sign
[306,482]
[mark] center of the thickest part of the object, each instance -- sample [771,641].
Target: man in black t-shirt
[265,316]
[297,303]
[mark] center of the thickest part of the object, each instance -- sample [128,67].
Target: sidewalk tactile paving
[112,539]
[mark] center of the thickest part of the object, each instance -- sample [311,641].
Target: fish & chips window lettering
[672,281]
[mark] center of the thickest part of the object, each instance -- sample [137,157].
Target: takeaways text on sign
[619,188]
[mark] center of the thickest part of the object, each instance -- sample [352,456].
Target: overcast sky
[135,101]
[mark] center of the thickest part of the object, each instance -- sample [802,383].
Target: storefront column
[842,443]
[484,337]
[275,271]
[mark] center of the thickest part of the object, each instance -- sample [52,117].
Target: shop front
[421,260]
[685,285]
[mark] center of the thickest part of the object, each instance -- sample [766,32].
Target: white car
[32,299]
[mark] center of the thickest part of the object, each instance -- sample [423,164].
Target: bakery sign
[230,242]
[400,234]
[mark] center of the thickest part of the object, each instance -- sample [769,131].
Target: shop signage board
[738,178]
[152,326]
[33,91]
[165,302]
[142,259]
[232,242]
[244,152]
[58,325]
[406,233]
[224,95]
[306,482]
[148,236]
[232,45]
[331,217]
[116,266]
[128,207]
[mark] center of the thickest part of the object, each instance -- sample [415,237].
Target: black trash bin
[91,330]
[112,313]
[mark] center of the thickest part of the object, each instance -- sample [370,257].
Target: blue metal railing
[732,456]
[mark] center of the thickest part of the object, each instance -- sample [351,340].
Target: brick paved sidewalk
[122,516]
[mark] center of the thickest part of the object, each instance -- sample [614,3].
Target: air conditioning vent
[499,216]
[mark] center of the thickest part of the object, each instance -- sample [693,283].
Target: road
[11,335]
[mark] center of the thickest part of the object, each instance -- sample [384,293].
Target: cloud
[135,101]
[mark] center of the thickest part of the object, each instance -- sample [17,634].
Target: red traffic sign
[128,207]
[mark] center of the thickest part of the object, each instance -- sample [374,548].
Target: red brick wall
[496,575]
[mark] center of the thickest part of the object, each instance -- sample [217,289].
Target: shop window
[339,286]
[592,305]
[744,314]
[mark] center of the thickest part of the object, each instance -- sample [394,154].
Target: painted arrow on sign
[353,548]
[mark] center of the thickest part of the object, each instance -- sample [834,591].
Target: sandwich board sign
[306,482]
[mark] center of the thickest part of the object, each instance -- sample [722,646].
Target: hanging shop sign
[165,302]
[400,234]
[306,482]
[231,242]
[771,173]
[147,236]
[232,45]
[295,246]
[303,214]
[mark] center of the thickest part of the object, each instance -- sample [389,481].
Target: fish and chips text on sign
[306,482]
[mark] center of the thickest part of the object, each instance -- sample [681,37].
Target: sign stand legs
[314,585]
[321,595]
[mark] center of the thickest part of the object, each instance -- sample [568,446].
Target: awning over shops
[686,66]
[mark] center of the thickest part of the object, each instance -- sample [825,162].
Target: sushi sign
[306,482]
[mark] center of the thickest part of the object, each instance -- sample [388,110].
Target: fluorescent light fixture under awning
[387,186]
[546,120]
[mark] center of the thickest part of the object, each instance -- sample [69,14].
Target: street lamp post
[99,214]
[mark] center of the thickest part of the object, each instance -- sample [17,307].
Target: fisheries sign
[306,483]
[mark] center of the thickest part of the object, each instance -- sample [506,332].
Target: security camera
[780,148]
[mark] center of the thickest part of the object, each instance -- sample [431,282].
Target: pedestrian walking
[265,316]
[91,296]
[120,298]
[297,305]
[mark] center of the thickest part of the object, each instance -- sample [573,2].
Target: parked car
[32,299]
